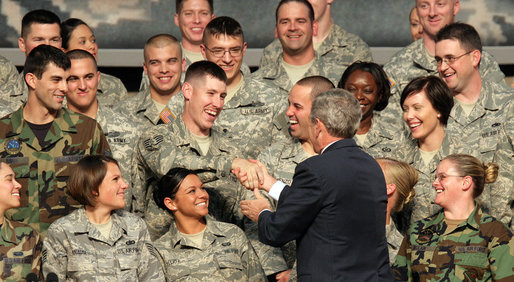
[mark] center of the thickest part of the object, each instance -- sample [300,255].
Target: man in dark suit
[335,208]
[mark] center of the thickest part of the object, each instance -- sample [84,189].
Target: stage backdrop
[128,23]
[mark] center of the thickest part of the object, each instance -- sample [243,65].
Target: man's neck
[471,93]
[429,43]
[191,125]
[190,46]
[308,148]
[234,82]
[90,111]
[36,113]
[163,98]
[299,59]
[324,26]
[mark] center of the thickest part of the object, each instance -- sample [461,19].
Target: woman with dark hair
[197,247]
[426,103]
[20,246]
[76,34]
[461,242]
[100,241]
[368,82]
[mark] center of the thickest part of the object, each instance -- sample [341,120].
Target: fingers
[257,194]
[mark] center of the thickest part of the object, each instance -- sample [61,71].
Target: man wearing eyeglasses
[417,59]
[250,105]
[483,112]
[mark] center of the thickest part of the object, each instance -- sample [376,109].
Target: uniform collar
[212,231]
[8,234]
[85,226]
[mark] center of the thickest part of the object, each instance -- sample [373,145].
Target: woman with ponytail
[400,179]
[460,243]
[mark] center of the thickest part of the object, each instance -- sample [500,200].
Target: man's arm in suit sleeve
[297,207]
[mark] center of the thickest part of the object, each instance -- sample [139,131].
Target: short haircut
[464,33]
[160,41]
[437,92]
[86,178]
[404,176]
[380,77]
[339,111]
[466,165]
[67,28]
[199,70]
[305,2]
[39,58]
[317,83]
[78,54]
[180,3]
[223,26]
[40,16]
[169,184]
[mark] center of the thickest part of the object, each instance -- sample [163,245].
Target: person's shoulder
[21,229]
[228,229]
[348,37]
[66,222]
[490,227]
[405,55]
[129,218]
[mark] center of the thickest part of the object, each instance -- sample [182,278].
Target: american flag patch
[165,115]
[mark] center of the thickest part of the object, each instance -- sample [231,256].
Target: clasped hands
[254,176]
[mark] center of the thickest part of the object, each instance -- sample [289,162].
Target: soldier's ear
[31,80]
[391,187]
[170,204]
[187,90]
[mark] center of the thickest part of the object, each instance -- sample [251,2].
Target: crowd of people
[212,172]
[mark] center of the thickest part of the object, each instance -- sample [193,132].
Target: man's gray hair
[339,111]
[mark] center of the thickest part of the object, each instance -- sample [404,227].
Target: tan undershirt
[192,56]
[104,228]
[427,156]
[296,73]
[197,238]
[361,137]
[317,44]
[204,142]
[467,108]
[231,92]
[452,223]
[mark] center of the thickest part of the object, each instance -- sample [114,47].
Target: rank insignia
[13,146]
[425,236]
[470,275]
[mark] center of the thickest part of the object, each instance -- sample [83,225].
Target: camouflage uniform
[122,135]
[142,110]
[488,131]
[394,240]
[20,251]
[110,90]
[75,250]
[340,47]
[478,249]
[412,62]
[225,255]
[247,118]
[13,95]
[278,77]
[171,145]
[43,170]
[8,72]
[382,139]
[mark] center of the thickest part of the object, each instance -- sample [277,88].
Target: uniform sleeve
[150,268]
[36,255]
[270,54]
[402,266]
[54,257]
[501,255]
[100,145]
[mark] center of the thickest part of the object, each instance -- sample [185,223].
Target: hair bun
[491,172]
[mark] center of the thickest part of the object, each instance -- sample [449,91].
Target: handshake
[254,176]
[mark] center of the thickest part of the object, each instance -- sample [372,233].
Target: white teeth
[413,125]
[293,121]
[165,78]
[211,112]
[362,106]
[439,191]
[196,28]
[16,194]
[201,204]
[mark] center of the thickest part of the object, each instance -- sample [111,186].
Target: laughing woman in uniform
[101,241]
[20,248]
[197,247]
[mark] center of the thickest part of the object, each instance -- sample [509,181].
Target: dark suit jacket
[335,210]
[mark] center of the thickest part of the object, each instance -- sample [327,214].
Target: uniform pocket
[471,266]
[229,260]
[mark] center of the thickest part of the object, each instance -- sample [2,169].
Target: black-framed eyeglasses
[449,59]
[218,53]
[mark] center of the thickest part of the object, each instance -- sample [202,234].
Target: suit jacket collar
[340,144]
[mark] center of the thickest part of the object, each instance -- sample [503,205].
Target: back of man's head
[197,71]
[318,84]
[37,16]
[78,54]
[339,111]
[160,41]
[305,2]
[43,55]
[464,33]
[223,26]
[179,4]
